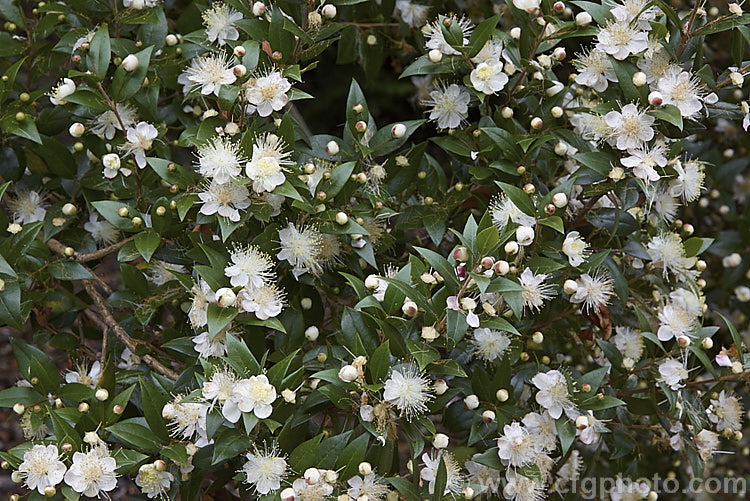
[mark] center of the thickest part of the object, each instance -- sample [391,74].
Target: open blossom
[268,93]
[449,106]
[541,426]
[28,206]
[503,209]
[706,441]
[139,139]
[186,419]
[266,172]
[576,248]
[63,90]
[517,447]
[85,376]
[209,73]
[101,231]
[681,89]
[453,480]
[593,291]
[207,347]
[153,482]
[620,39]
[726,412]
[41,467]
[674,322]
[202,296]
[689,181]
[595,70]
[644,161]
[553,392]
[521,488]
[254,394]
[629,342]
[408,390]
[488,77]
[489,344]
[436,40]
[225,199]
[264,470]
[92,473]
[108,123]
[305,491]
[535,291]
[250,268]
[411,13]
[218,389]
[220,159]
[666,251]
[368,485]
[266,301]
[673,373]
[630,127]
[300,248]
[631,10]
[220,24]
[113,166]
[527,5]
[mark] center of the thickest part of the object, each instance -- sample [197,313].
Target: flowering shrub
[531,276]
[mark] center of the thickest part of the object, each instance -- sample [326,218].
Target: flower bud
[130,63]
[342,218]
[639,79]
[239,70]
[410,308]
[332,148]
[560,200]
[488,416]
[321,357]
[69,209]
[172,40]
[101,394]
[561,149]
[77,129]
[737,367]
[506,113]
[537,337]
[16,477]
[524,235]
[372,282]
[515,33]
[69,251]
[331,476]
[348,373]
[655,98]
[511,248]
[136,221]
[537,123]
[312,333]
[360,126]
[398,131]
[502,395]
[559,53]
[225,297]
[582,422]
[683,341]
[707,343]
[471,402]
[440,386]
[461,254]
[365,468]
[83,407]
[570,286]
[160,465]
[259,8]
[583,19]
[487,262]
[440,441]
[19,408]
[435,56]
[501,267]
[50,491]
[287,494]
[118,409]
[429,333]
[329,11]
[312,476]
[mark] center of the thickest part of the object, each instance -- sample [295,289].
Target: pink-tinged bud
[537,123]
[67,447]
[19,408]
[160,465]
[398,131]
[276,55]
[549,209]
[101,394]
[461,273]
[683,341]
[461,254]
[288,494]
[130,63]
[329,11]
[560,53]
[83,407]
[655,98]
[332,148]
[586,388]
[239,51]
[488,416]
[240,70]
[471,402]
[118,409]
[440,386]
[487,262]
[410,308]
[582,422]
[467,492]
[529,189]
[360,126]
[501,267]
[707,343]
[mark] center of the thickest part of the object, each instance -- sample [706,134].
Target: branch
[88,256]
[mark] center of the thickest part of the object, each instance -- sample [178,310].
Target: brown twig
[84,257]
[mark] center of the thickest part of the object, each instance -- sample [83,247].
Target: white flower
[535,291]
[492,51]
[689,181]
[92,473]
[576,248]
[113,166]
[41,467]
[139,139]
[436,40]
[595,70]
[542,428]
[483,475]
[300,248]
[454,479]
[527,5]
[664,206]
[629,342]
[681,89]
[593,291]
[688,301]
[553,392]
[524,235]
[742,293]
[369,486]
[520,488]
[28,206]
[161,272]
[220,159]
[620,39]
[488,77]
[186,419]
[319,491]
[209,73]
[266,301]
[489,344]
[63,90]
[631,10]
[450,105]
[85,376]
[706,442]
[502,208]
[726,412]
[411,13]
[643,160]
[202,296]
[666,250]
[588,428]
[226,199]
[153,482]
[219,387]
[408,390]
[220,24]
[268,93]
[516,446]
[207,347]
[673,373]
[139,4]
[266,172]
[254,394]
[106,124]
[627,490]
[674,322]
[264,470]
[630,128]
[251,268]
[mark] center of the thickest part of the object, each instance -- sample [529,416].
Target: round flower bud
[440,386]
[161,210]
[77,129]
[429,333]
[360,126]
[524,235]
[511,247]
[683,341]
[239,51]
[537,337]
[639,79]
[287,494]
[69,209]
[372,282]
[582,422]
[329,11]
[488,416]
[461,254]
[259,8]
[559,53]
[342,218]
[556,112]
[20,116]
[506,113]
[410,308]
[549,209]
[69,251]
[583,19]
[570,286]
[160,465]
[440,441]
[5,465]
[471,402]
[435,56]
[225,297]
[707,343]
[652,496]
[322,357]
[306,303]
[101,394]
[348,373]
[16,477]
[524,356]
[487,262]
[19,408]
[50,491]
[332,148]
[312,333]
[537,123]
[561,149]
[171,40]
[118,409]
[501,267]
[239,70]
[83,407]
[655,98]
[130,63]
[737,367]
[78,146]
[502,395]
[560,200]
[312,476]
[398,131]
[365,468]
[515,33]
[136,221]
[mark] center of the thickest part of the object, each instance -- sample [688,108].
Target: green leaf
[339,176]
[598,404]
[153,403]
[441,265]
[441,478]
[379,362]
[127,84]
[219,318]
[735,336]
[133,433]
[240,356]
[147,242]
[353,454]
[554,222]
[695,246]
[69,270]
[481,34]
[422,353]
[566,432]
[100,51]
[303,456]
[229,444]
[518,197]
[25,128]
[669,113]
[19,394]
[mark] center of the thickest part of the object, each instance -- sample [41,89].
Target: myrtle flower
[107,124]
[689,181]
[300,248]
[516,446]
[209,73]
[266,301]
[267,165]
[630,128]
[408,390]
[63,90]
[251,268]
[254,394]
[535,291]
[664,206]
[590,430]
[41,467]
[632,10]
[219,387]
[264,470]
[672,373]
[207,347]
[84,375]
[503,209]
[527,5]
[152,481]
[92,473]
[161,272]
[576,248]
[369,486]
[220,25]
[225,199]
[726,412]
[521,488]
[706,442]
[541,426]
[411,13]
[620,39]
[220,159]
[688,301]
[674,322]
[680,88]
[186,419]
[139,4]
[202,296]
[305,491]
[595,70]
[139,139]
[268,93]
[454,479]
[629,342]
[483,475]
[491,52]
[553,392]
[113,166]
[628,490]
[666,251]
[450,105]
[436,40]
[593,291]
[488,77]
[28,206]
[489,344]
[643,161]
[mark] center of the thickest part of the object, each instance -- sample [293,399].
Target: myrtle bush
[226,275]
